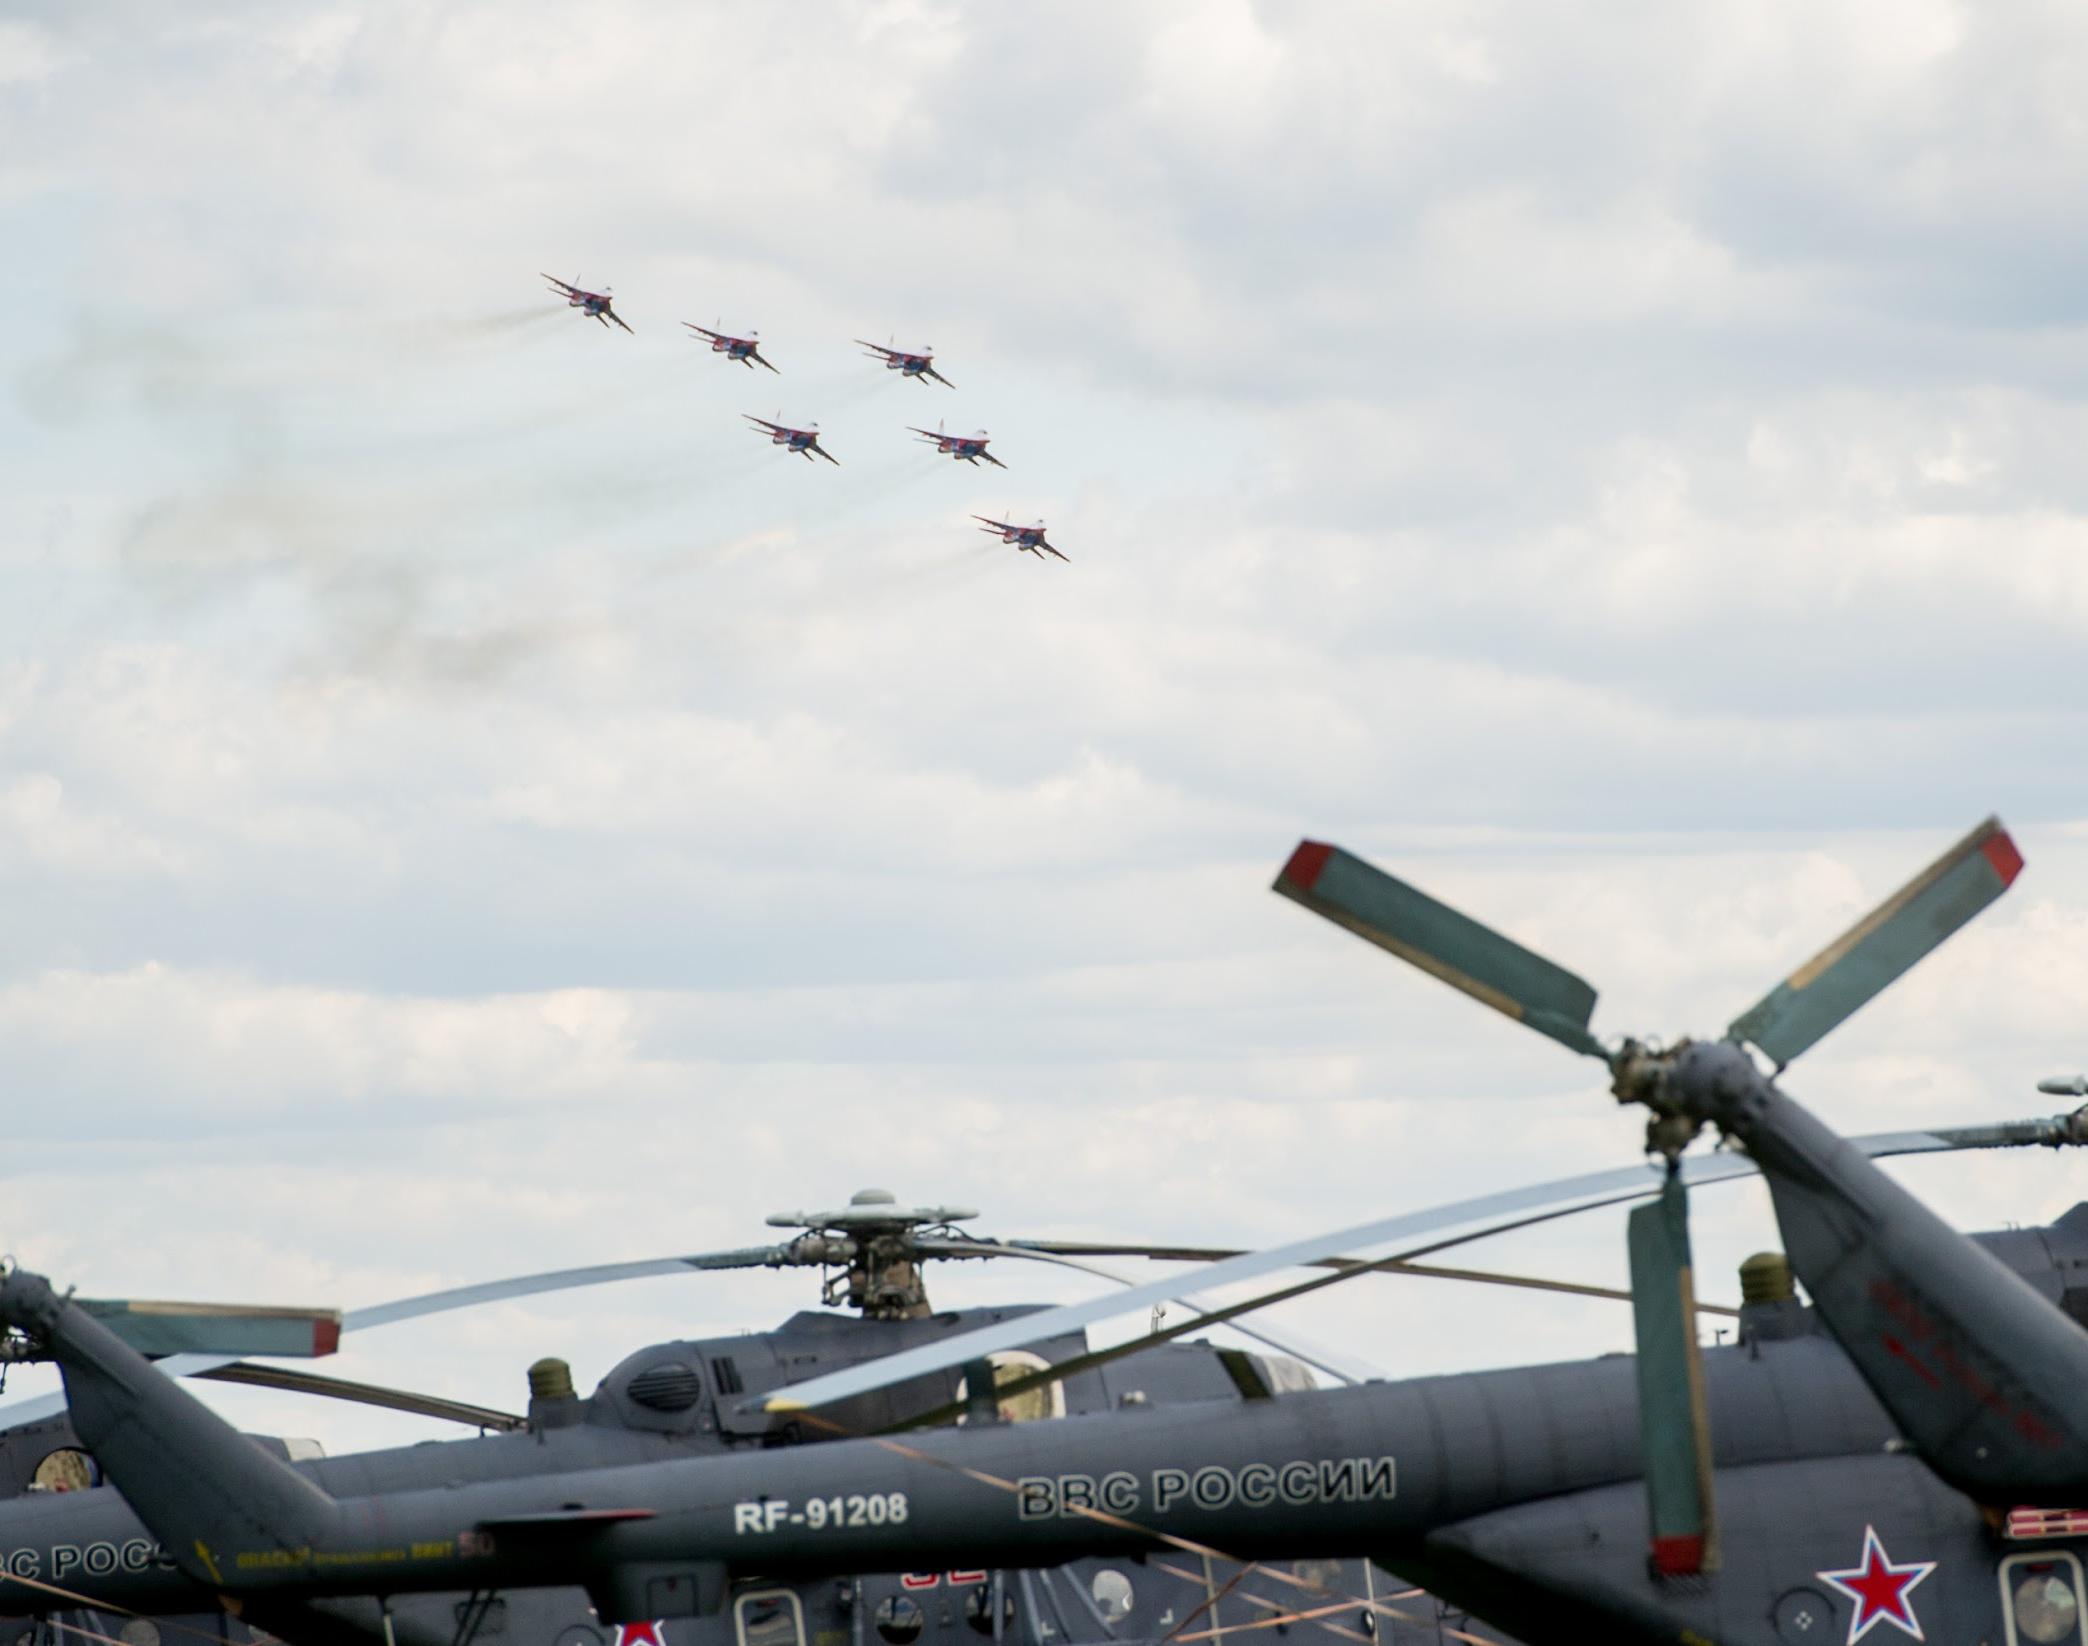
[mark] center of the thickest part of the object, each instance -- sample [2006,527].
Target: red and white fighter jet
[804,441]
[918,364]
[746,350]
[593,304]
[966,448]
[1029,539]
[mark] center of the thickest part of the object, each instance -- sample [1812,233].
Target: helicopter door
[2042,1599]
[768,1617]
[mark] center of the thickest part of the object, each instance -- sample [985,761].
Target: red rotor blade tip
[2000,851]
[1303,869]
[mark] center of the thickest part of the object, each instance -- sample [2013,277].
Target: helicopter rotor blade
[556,1280]
[1231,1313]
[1566,1197]
[1473,1218]
[1810,1003]
[159,1329]
[196,1363]
[1386,1266]
[1674,1416]
[916,1362]
[1483,1277]
[1494,970]
[1344,1368]
[297,1381]
[1882,945]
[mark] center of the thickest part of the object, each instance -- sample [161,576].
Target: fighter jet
[966,448]
[746,350]
[908,363]
[594,304]
[1030,539]
[804,441]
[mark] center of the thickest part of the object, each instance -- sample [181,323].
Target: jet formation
[802,439]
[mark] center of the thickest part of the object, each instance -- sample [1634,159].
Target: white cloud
[472,808]
[27,54]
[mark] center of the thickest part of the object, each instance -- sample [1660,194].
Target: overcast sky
[466,806]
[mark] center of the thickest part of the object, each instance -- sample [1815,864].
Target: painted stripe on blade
[1977,841]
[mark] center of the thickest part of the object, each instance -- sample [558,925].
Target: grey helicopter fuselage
[675,1400]
[1517,1489]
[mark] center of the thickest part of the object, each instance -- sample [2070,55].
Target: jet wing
[764,423]
[570,291]
[929,371]
[997,463]
[701,331]
[755,354]
[997,525]
[823,452]
[613,315]
[878,349]
[1048,549]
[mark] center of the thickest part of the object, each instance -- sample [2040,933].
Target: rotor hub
[875,1244]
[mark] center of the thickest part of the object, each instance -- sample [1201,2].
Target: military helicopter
[1543,1498]
[670,1400]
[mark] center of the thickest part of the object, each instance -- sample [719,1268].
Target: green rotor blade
[158,1329]
[1871,954]
[1674,1419]
[1470,957]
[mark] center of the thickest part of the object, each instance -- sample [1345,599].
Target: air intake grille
[667,1387]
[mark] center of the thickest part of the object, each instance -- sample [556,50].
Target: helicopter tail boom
[183,1466]
[1981,1371]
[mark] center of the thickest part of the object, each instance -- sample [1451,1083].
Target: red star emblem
[642,1634]
[1880,1589]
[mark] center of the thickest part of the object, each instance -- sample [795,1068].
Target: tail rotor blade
[1674,1419]
[160,1329]
[1475,959]
[1871,954]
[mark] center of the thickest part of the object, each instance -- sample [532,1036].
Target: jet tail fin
[203,1487]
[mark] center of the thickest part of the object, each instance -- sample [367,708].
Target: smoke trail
[532,318]
[946,569]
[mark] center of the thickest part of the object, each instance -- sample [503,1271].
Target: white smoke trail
[533,318]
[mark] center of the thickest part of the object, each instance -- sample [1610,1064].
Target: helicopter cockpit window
[1286,1375]
[1045,1400]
